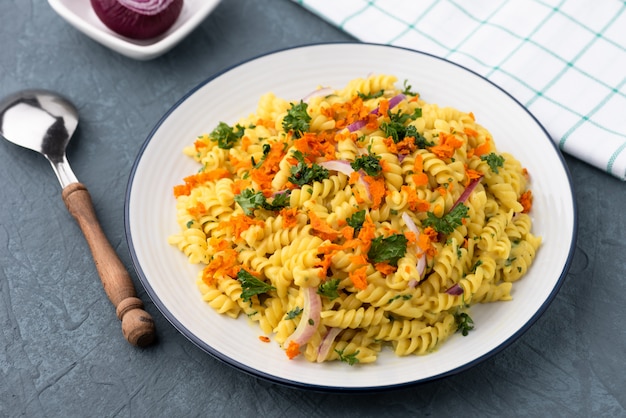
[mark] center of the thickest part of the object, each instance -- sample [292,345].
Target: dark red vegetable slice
[138,19]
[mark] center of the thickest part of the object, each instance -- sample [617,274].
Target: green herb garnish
[329,288]
[494,160]
[302,173]
[351,359]
[368,163]
[387,250]
[297,119]
[251,286]
[356,221]
[226,136]
[464,323]
[292,314]
[447,223]
[364,96]
[249,200]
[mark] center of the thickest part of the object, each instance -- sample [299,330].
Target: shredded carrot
[377,189]
[240,185]
[349,112]
[264,338]
[289,217]
[240,223]
[470,132]
[471,115]
[293,350]
[245,142]
[197,210]
[526,199]
[385,268]
[359,260]
[321,228]
[447,145]
[197,179]
[218,244]
[426,239]
[199,144]
[366,234]
[238,164]
[264,174]
[221,265]
[483,148]
[419,177]
[471,175]
[347,232]
[354,177]
[359,278]
[410,237]
[383,107]
[415,203]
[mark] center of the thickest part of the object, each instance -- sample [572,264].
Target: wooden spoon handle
[137,324]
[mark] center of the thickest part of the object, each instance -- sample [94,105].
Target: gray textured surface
[61,350]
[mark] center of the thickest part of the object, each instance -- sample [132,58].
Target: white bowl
[170,279]
[81,15]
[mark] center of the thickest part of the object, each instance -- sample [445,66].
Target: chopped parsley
[356,221]
[302,173]
[387,250]
[226,136]
[464,323]
[477,264]
[249,200]
[447,223]
[375,95]
[351,359]
[266,150]
[251,286]
[397,130]
[297,119]
[329,289]
[292,314]
[368,163]
[407,88]
[494,160]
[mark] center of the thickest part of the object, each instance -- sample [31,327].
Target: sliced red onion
[408,221]
[468,190]
[355,126]
[421,257]
[341,166]
[393,102]
[327,342]
[324,91]
[421,264]
[413,283]
[138,19]
[455,290]
[310,318]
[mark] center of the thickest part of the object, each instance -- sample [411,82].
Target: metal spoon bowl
[44,121]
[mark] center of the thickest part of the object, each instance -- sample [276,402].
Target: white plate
[170,280]
[80,14]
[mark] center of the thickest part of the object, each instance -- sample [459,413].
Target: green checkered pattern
[565,60]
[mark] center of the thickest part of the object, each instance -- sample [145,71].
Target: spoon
[43,121]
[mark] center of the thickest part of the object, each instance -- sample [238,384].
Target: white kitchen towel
[565,60]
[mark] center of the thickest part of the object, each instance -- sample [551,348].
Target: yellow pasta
[361,219]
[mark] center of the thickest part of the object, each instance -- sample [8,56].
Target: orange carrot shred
[526,199]
[359,278]
[293,350]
